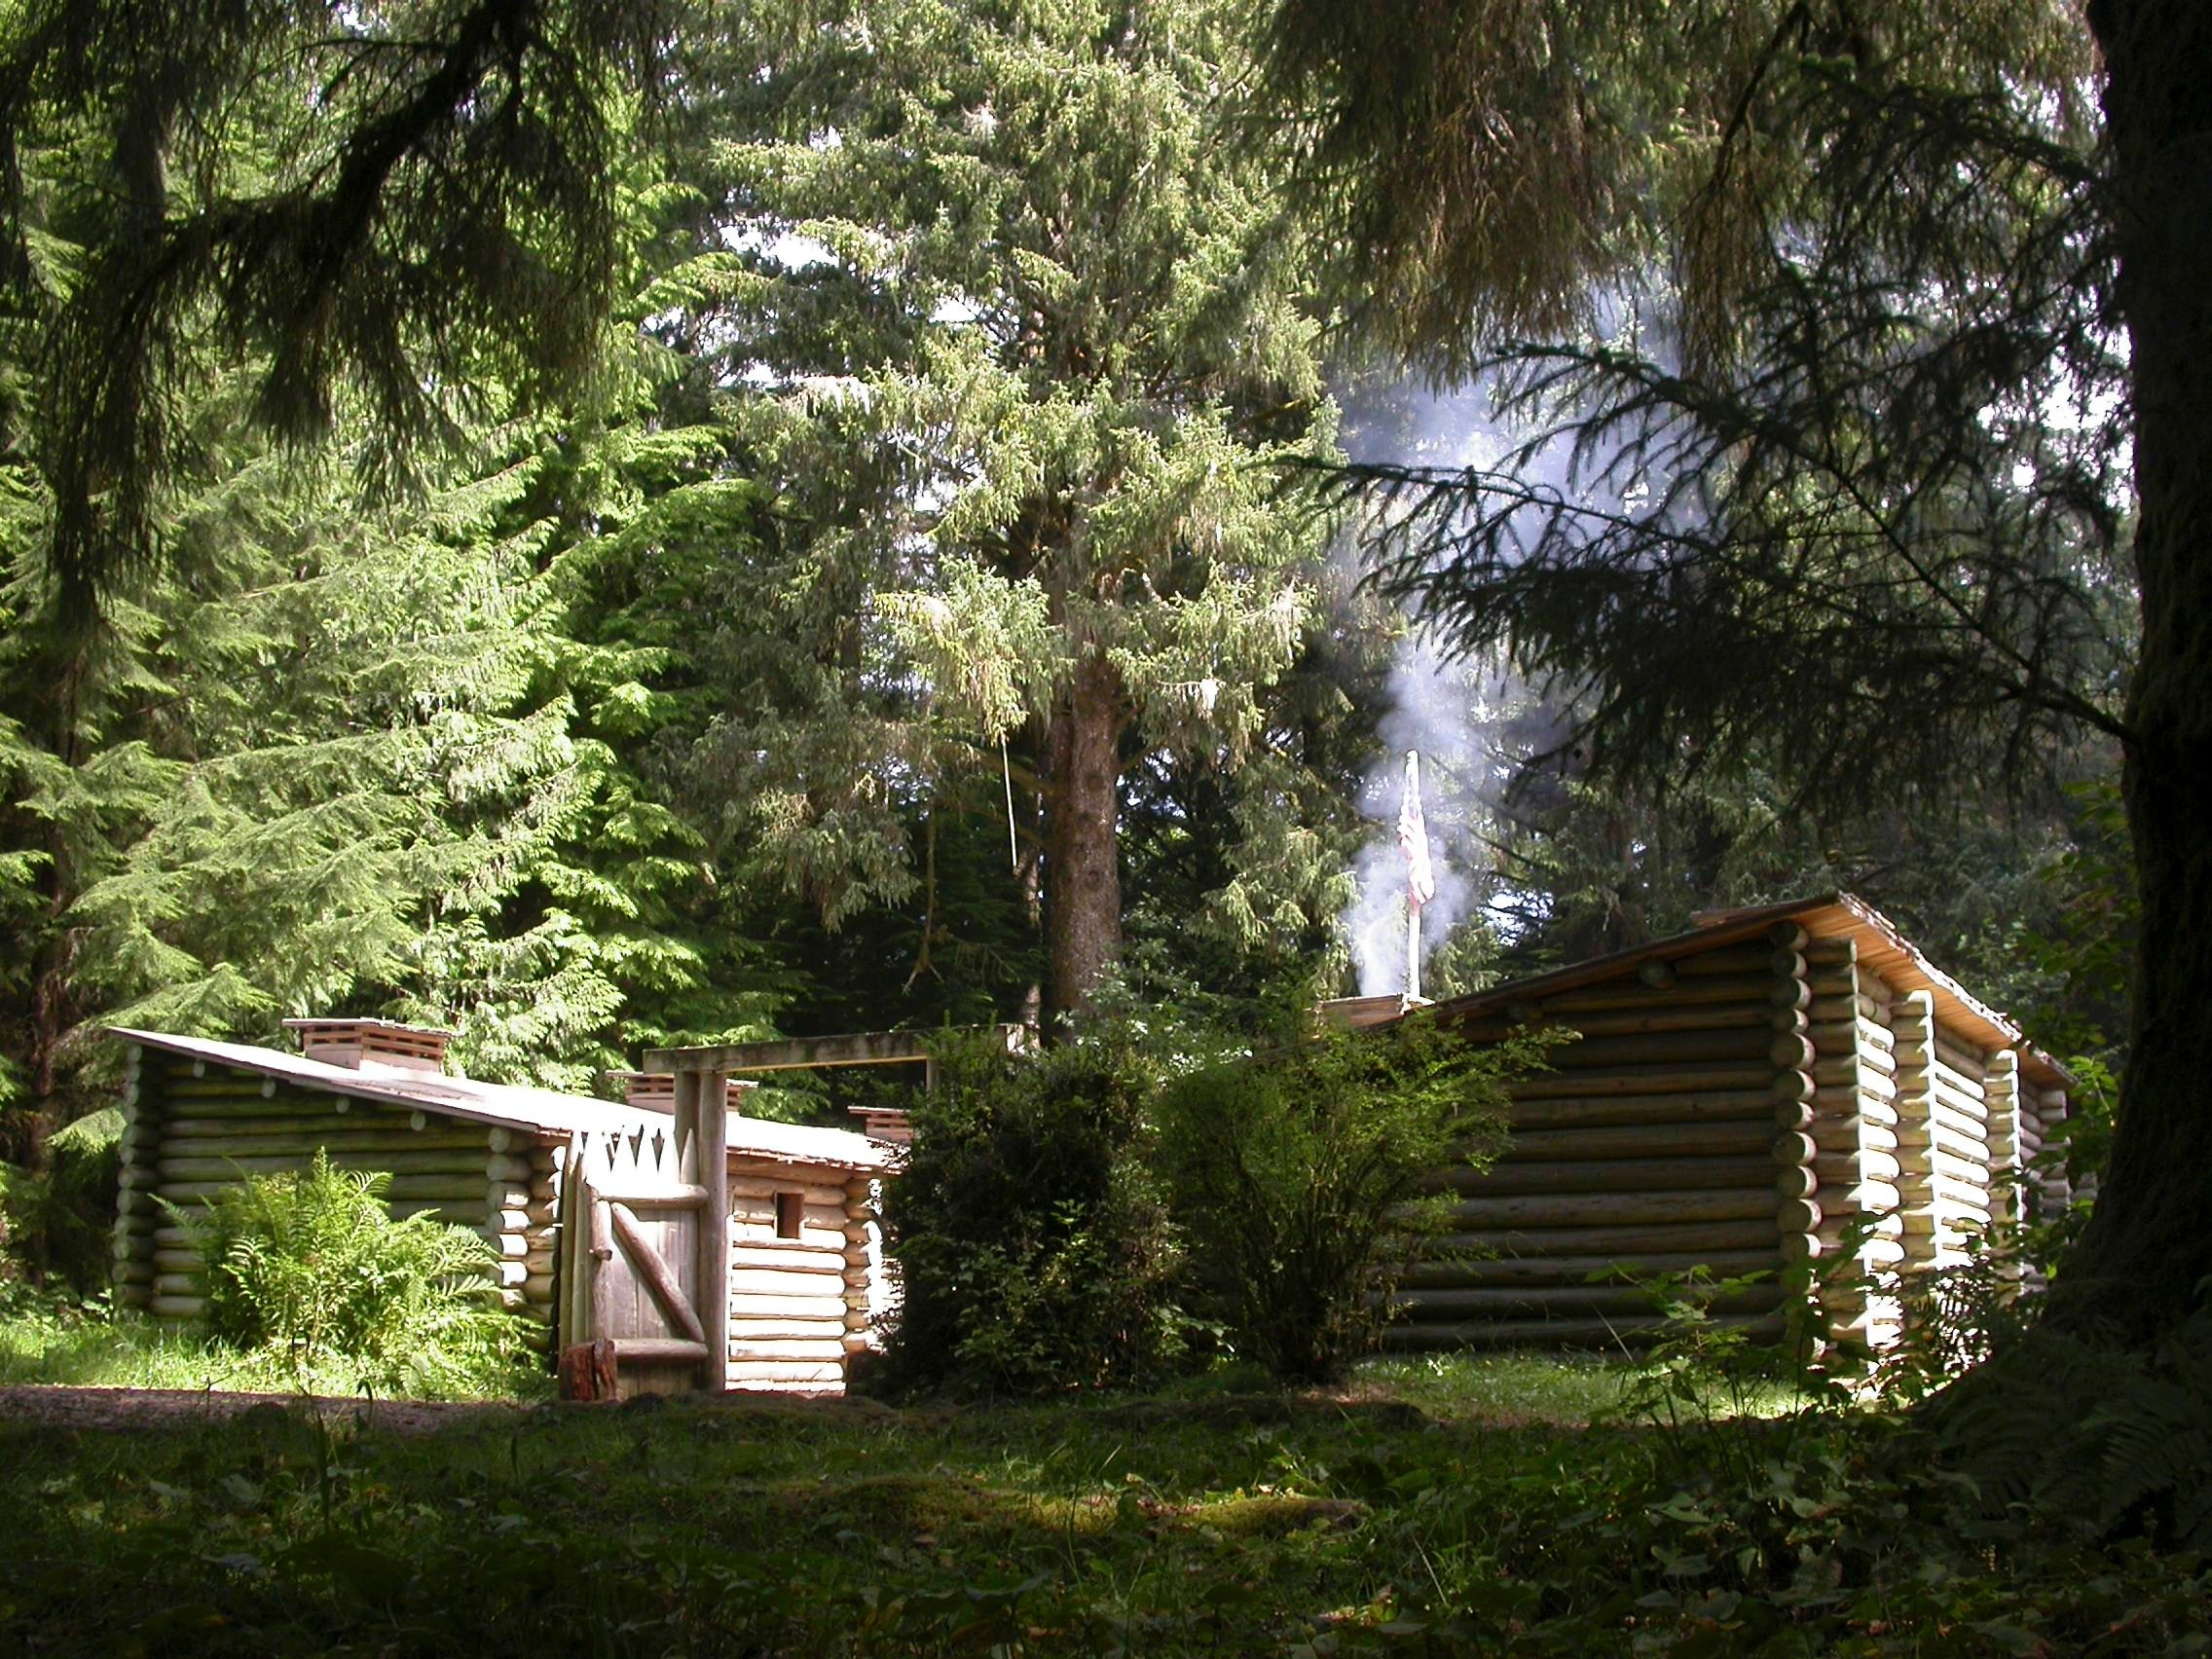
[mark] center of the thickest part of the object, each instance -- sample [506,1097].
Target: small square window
[790,1209]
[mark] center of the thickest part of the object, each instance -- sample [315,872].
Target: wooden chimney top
[655,1092]
[374,1046]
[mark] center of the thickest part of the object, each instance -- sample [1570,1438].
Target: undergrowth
[1247,1524]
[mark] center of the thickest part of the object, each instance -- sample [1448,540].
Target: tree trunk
[2149,1244]
[1082,872]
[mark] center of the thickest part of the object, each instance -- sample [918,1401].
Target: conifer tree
[1028,341]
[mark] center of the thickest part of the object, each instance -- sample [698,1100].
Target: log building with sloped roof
[1772,1089]
[610,1221]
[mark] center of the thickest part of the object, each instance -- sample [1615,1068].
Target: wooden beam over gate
[802,1053]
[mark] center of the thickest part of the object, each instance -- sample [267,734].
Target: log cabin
[1775,1088]
[603,1215]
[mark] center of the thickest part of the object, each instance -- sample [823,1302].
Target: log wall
[1668,1136]
[1776,1107]
[1855,1128]
[797,1305]
[193,1128]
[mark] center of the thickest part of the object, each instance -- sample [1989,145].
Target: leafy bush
[1034,1242]
[1296,1177]
[311,1265]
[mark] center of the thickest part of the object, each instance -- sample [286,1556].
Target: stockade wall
[193,1126]
[1750,1108]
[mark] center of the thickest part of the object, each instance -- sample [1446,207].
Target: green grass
[55,1340]
[1454,1507]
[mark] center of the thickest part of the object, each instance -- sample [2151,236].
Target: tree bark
[2148,1246]
[1082,872]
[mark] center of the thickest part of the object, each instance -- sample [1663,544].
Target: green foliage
[1032,1236]
[311,1265]
[1296,1176]
[56,1222]
[1204,1524]
[1026,342]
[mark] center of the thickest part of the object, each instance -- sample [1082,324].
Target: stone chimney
[374,1046]
[655,1092]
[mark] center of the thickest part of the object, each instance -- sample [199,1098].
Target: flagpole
[1413,908]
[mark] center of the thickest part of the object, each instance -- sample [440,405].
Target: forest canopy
[599,525]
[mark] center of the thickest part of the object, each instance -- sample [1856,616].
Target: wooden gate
[645,1245]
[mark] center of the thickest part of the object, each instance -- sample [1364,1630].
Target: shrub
[1034,1242]
[1297,1176]
[311,1264]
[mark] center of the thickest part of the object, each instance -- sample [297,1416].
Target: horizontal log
[1864,1164]
[786,1255]
[1571,1301]
[1609,1175]
[754,1304]
[419,1189]
[1969,1108]
[1928,1162]
[1577,1270]
[1968,1062]
[1616,1209]
[825,1350]
[1792,1147]
[1656,1140]
[1665,1048]
[395,1125]
[1868,1195]
[1886,1226]
[236,1094]
[1877,1252]
[1622,1111]
[1942,1192]
[773,1378]
[1602,1242]
[1798,1183]
[345,1153]
[1838,1104]
[1628,1329]
[1843,1005]
[1845,1135]
[1614,994]
[1875,1089]
[1738,960]
[1796,1215]
[811,1287]
[651,1194]
[178,1307]
[1877,1060]
[1836,1036]
[393,1164]
[507,1167]
[658,1350]
[1759,1015]
[1683,1079]
[1959,1135]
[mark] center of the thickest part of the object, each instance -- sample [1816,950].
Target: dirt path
[59,1406]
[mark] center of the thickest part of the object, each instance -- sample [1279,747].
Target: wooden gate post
[702,1144]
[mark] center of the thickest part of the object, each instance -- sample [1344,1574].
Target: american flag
[1412,841]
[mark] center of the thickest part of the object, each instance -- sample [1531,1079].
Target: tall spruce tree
[1028,340]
